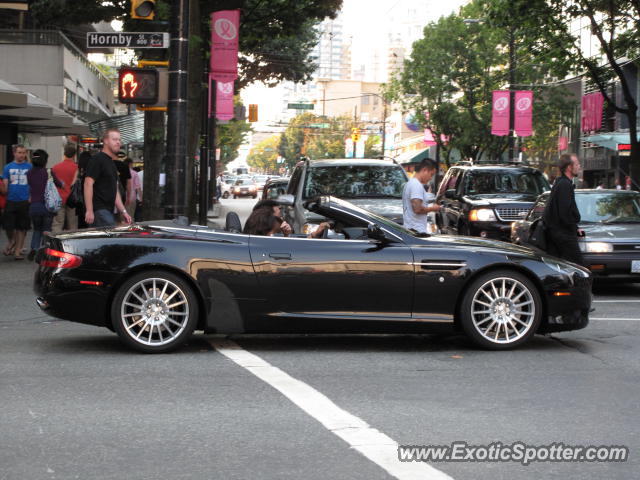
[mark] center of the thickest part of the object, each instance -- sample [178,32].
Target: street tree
[264,155]
[615,27]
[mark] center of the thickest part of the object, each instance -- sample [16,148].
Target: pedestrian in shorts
[16,215]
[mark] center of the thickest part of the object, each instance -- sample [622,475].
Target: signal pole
[177,175]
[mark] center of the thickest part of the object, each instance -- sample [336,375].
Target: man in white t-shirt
[415,199]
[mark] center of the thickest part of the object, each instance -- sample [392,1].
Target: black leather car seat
[232,223]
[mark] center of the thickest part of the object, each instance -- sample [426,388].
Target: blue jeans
[41,220]
[103,218]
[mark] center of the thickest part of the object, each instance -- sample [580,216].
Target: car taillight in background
[57,259]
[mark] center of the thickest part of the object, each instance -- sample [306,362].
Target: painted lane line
[615,301]
[616,319]
[370,442]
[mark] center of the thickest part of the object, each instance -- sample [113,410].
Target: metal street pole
[177,175]
[204,155]
[512,93]
[384,123]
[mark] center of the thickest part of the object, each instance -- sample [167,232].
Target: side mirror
[286,200]
[375,232]
[450,194]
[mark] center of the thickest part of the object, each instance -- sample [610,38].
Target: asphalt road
[76,404]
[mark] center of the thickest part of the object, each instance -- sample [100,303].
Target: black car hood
[484,244]
[494,200]
[612,231]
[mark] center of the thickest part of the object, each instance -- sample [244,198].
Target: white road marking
[617,319]
[370,442]
[615,301]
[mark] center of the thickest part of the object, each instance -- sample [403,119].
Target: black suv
[375,185]
[483,200]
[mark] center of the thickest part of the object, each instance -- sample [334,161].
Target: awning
[131,127]
[32,114]
[11,97]
[608,140]
[413,156]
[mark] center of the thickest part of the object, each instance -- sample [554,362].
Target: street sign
[300,106]
[128,40]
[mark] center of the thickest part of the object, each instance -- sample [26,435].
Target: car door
[348,279]
[451,207]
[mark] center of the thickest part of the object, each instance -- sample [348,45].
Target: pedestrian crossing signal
[138,85]
[143,9]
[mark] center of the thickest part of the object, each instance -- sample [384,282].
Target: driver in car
[266,219]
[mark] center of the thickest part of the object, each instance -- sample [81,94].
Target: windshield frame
[490,188]
[390,171]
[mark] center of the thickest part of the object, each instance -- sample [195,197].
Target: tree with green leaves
[615,29]
[451,74]
[264,155]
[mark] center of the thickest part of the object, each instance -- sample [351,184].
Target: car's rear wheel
[501,310]
[154,311]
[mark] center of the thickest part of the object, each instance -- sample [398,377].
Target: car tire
[154,311]
[501,310]
[235,196]
[255,196]
[225,195]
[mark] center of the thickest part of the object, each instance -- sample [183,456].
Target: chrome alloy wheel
[154,311]
[503,310]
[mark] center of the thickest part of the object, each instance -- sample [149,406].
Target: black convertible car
[155,284]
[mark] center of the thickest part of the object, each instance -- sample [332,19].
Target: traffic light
[253,112]
[143,9]
[138,85]
[355,134]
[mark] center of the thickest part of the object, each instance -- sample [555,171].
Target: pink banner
[500,113]
[523,114]
[225,27]
[428,138]
[563,143]
[591,118]
[224,101]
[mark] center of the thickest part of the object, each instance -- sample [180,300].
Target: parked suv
[483,200]
[375,185]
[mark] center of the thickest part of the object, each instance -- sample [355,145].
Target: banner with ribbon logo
[500,113]
[225,29]
[523,118]
[224,101]
[591,117]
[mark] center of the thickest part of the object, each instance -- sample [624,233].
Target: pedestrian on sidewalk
[67,172]
[135,189]
[101,195]
[41,218]
[16,214]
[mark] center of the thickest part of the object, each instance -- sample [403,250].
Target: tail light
[57,259]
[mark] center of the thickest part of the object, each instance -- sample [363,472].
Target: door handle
[280,256]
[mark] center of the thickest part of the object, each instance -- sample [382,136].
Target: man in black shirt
[101,194]
[561,214]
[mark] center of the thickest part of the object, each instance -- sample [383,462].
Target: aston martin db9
[155,284]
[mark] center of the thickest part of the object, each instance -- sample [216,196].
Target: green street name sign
[300,106]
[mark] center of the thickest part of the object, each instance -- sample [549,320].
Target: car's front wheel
[154,311]
[501,310]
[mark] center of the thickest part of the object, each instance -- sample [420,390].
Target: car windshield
[355,181]
[500,182]
[609,207]
[244,181]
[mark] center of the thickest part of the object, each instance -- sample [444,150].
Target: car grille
[511,214]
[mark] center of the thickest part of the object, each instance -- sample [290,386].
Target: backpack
[52,199]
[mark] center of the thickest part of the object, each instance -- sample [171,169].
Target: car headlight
[595,247]
[482,215]
[564,268]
